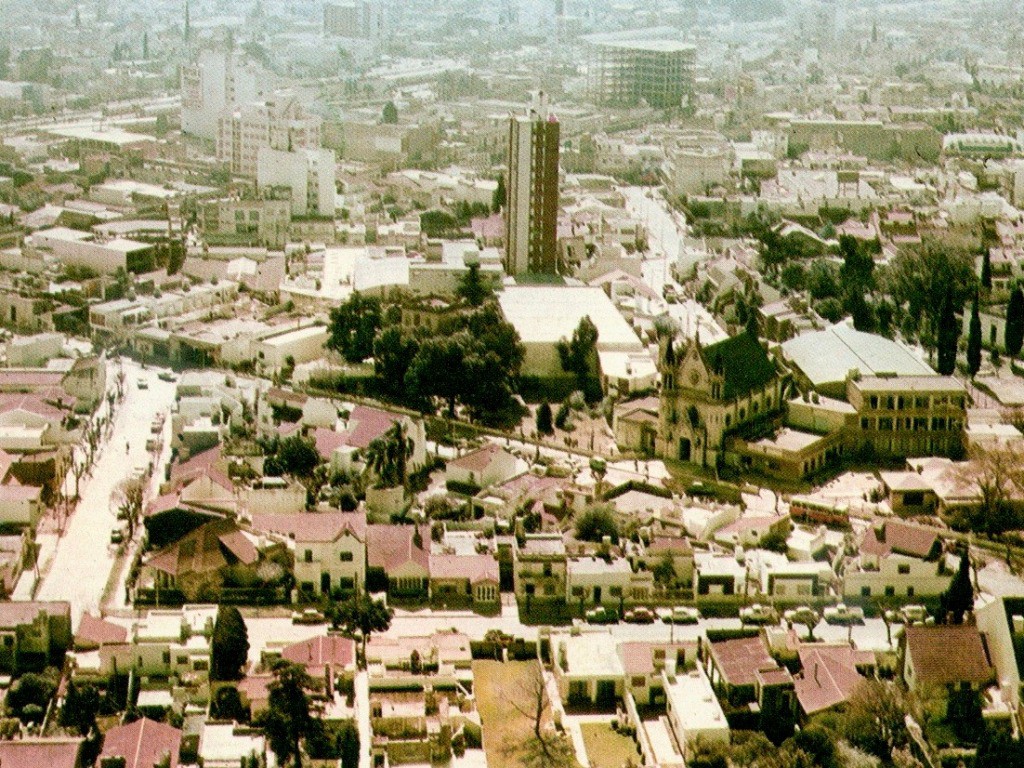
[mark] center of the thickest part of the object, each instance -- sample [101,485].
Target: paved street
[80,567]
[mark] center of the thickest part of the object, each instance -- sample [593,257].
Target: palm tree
[388,456]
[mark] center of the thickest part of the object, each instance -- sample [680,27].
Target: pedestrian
[126,446]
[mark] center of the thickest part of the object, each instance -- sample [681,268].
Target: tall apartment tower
[531,210]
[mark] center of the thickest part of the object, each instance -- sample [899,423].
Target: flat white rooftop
[545,314]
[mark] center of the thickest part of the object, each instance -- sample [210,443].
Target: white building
[308,173]
[217,81]
[282,125]
[693,709]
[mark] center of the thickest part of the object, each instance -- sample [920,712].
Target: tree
[354,326]
[472,288]
[498,199]
[974,339]
[388,456]
[30,694]
[664,571]
[946,341]
[595,523]
[438,370]
[958,598]
[393,353]
[229,646]
[794,276]
[290,712]
[579,357]
[297,456]
[129,496]
[544,425]
[227,705]
[389,115]
[923,277]
[362,616]
[81,703]
[546,747]
[1015,322]
[348,744]
[875,718]
[986,270]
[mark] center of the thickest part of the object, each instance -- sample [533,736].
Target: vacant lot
[607,748]
[500,689]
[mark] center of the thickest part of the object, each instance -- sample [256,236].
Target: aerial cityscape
[498,383]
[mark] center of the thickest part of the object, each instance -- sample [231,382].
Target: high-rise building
[280,125]
[627,72]
[357,19]
[531,210]
[307,173]
[216,81]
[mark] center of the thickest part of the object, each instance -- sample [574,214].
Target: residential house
[676,549]
[896,559]
[225,745]
[163,644]
[459,578]
[829,675]
[944,658]
[717,575]
[397,554]
[613,582]
[588,669]
[482,468]
[644,662]
[143,744]
[94,632]
[344,447]
[325,657]
[539,567]
[909,493]
[33,635]
[195,566]
[330,548]
[695,716]
[441,653]
[32,752]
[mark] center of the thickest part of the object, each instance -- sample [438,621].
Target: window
[904,569]
[638,681]
[865,591]
[885,425]
[890,591]
[182,660]
[874,401]
[865,423]
[167,657]
[308,556]
[547,569]
[910,591]
[346,582]
[345,557]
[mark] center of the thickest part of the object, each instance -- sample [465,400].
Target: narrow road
[82,564]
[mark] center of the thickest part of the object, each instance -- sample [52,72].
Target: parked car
[804,615]
[601,615]
[639,615]
[682,614]
[116,536]
[909,614]
[142,382]
[308,616]
[166,376]
[758,614]
[844,614]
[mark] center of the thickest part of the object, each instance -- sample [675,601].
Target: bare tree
[546,748]
[129,496]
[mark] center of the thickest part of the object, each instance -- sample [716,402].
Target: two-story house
[329,547]
[897,559]
[539,567]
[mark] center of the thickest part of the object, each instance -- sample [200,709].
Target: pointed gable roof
[143,744]
[205,549]
[742,363]
[322,651]
[94,632]
[319,527]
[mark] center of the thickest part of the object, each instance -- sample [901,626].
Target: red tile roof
[313,526]
[829,676]
[638,657]
[322,651]
[475,568]
[143,744]
[944,655]
[255,689]
[478,460]
[34,753]
[366,424]
[327,441]
[29,379]
[205,550]
[94,632]
[900,538]
[196,464]
[739,660]
[31,403]
[392,546]
[679,545]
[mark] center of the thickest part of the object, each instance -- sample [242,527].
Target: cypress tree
[958,599]
[986,270]
[1015,322]
[947,338]
[974,339]
[544,426]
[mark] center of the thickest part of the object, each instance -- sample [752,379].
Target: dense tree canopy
[578,356]
[353,327]
[229,646]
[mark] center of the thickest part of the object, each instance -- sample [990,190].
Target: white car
[682,614]
[142,382]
